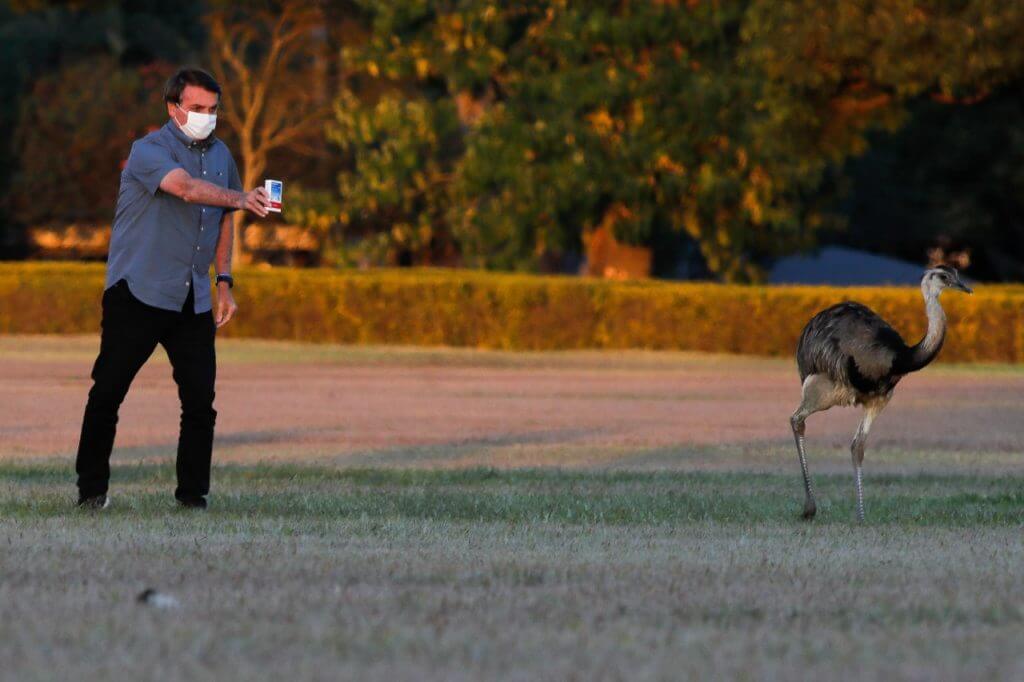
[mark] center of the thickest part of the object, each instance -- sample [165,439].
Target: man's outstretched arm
[195,191]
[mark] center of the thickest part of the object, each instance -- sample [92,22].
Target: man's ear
[172,111]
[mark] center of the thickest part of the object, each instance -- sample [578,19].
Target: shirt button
[187,283]
[197,248]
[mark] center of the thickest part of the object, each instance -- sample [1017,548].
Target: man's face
[193,98]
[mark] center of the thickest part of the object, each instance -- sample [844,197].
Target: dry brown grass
[457,408]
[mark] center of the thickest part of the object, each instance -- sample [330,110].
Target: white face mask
[198,126]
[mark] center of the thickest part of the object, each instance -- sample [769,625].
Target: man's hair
[176,84]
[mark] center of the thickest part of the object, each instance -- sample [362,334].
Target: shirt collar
[198,145]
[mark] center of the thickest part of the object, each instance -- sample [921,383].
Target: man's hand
[226,307]
[257,201]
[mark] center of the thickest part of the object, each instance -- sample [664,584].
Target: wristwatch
[224,277]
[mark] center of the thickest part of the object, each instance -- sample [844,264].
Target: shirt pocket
[217,172]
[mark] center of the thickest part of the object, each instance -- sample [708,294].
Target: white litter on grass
[158,599]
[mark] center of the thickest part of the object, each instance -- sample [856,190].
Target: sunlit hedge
[523,312]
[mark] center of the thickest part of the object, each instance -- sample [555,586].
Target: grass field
[620,548]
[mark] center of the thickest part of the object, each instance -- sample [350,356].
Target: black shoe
[94,502]
[192,502]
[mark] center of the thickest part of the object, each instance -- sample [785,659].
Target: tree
[927,92]
[630,114]
[45,39]
[271,65]
[727,122]
[73,136]
[401,151]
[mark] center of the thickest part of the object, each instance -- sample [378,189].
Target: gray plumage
[848,355]
[850,344]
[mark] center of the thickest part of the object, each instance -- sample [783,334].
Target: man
[173,218]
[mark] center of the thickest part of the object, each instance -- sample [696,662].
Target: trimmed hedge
[523,312]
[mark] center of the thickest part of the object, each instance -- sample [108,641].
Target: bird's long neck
[926,350]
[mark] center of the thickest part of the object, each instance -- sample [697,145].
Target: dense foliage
[496,135]
[725,122]
[59,61]
[71,143]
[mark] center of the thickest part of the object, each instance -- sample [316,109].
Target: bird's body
[856,349]
[849,355]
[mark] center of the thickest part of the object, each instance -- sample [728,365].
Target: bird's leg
[797,422]
[857,453]
[858,457]
[818,395]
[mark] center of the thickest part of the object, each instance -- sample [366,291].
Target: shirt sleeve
[150,163]
[234,181]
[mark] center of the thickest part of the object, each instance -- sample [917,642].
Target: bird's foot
[809,510]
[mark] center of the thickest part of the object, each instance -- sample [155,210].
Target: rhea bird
[849,355]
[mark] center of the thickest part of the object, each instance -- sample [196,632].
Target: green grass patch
[532,495]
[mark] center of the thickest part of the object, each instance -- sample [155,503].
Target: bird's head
[943,277]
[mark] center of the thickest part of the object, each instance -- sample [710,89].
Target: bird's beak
[960,286]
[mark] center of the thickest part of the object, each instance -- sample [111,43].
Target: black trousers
[130,331]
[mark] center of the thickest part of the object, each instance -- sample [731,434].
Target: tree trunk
[252,169]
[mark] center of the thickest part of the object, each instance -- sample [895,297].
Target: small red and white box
[275,190]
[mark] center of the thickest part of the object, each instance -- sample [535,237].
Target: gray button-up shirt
[161,244]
